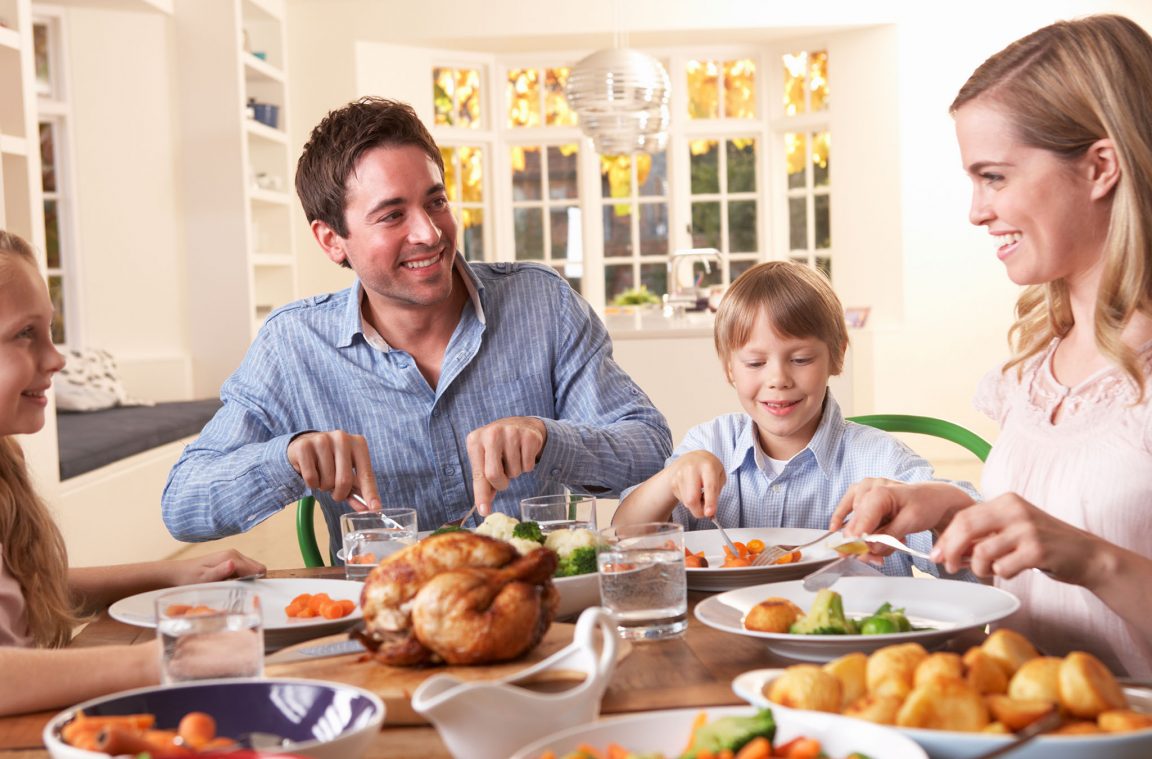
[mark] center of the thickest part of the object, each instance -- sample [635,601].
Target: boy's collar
[824,443]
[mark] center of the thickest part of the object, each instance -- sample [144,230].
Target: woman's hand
[695,480]
[878,505]
[220,565]
[1008,535]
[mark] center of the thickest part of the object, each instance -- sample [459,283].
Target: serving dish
[945,607]
[668,732]
[716,578]
[279,629]
[322,720]
[947,744]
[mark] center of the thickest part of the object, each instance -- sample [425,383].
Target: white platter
[715,577]
[947,744]
[279,629]
[668,732]
[947,606]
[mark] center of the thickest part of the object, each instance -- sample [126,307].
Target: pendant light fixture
[620,97]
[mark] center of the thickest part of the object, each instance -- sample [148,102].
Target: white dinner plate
[948,744]
[667,732]
[279,629]
[715,577]
[947,607]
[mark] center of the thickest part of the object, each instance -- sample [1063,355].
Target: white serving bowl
[320,719]
[577,593]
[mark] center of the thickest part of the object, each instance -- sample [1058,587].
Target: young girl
[1055,132]
[787,461]
[41,599]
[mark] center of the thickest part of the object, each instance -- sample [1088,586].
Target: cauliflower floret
[498,525]
[524,546]
[564,542]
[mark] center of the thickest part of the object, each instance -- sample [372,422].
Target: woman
[1055,132]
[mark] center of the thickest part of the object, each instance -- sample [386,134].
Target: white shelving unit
[237,175]
[21,209]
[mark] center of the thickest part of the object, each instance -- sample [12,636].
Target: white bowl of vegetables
[576,578]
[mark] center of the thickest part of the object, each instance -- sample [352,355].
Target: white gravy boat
[492,719]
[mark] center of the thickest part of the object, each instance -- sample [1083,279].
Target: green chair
[927,425]
[306,532]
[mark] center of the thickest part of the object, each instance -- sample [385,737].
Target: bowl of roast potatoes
[959,705]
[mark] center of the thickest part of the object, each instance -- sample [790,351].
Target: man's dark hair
[336,144]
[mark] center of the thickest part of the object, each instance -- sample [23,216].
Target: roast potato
[1037,680]
[1086,687]
[939,664]
[984,673]
[896,662]
[850,671]
[1014,713]
[806,686]
[944,704]
[879,709]
[774,615]
[1123,721]
[1010,649]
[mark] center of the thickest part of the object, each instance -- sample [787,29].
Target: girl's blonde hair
[1064,87]
[798,301]
[33,547]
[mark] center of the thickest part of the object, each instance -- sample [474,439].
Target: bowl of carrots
[272,716]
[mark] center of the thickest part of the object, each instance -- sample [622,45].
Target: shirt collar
[358,325]
[823,444]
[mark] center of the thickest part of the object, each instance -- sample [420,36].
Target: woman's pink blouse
[1092,469]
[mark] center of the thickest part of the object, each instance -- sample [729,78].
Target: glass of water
[565,511]
[642,580]
[369,536]
[210,632]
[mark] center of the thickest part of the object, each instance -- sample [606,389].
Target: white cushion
[90,381]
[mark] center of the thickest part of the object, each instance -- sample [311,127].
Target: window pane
[742,237]
[824,264]
[472,174]
[795,67]
[52,234]
[736,268]
[821,149]
[443,96]
[818,80]
[742,165]
[797,223]
[618,230]
[654,229]
[451,185]
[740,89]
[706,225]
[652,174]
[575,280]
[468,98]
[556,102]
[559,220]
[654,277]
[563,181]
[526,173]
[529,228]
[617,279]
[616,176]
[704,160]
[472,221]
[56,293]
[795,158]
[523,98]
[48,157]
[703,90]
[823,221]
[42,59]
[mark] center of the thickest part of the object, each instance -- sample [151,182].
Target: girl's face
[1044,220]
[28,359]
[781,382]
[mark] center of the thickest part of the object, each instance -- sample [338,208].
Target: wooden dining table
[693,670]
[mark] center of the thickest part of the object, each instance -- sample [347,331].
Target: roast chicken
[458,598]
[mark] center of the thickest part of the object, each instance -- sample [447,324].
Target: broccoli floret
[826,617]
[448,528]
[528,531]
[731,733]
[581,561]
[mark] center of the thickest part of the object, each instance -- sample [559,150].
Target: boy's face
[781,383]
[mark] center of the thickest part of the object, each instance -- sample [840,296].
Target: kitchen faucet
[680,297]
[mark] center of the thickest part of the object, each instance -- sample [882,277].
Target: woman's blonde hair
[32,545]
[798,301]
[1064,87]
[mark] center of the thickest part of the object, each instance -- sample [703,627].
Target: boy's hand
[695,480]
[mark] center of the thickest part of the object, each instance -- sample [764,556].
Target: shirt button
[435,412]
[402,365]
[449,470]
[555,471]
[775,488]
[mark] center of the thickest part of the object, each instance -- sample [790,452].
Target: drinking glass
[642,580]
[209,633]
[369,536]
[565,511]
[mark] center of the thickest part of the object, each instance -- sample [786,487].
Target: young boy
[787,460]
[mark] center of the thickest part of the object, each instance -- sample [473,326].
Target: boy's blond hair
[798,301]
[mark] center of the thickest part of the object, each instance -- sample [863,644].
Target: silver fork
[772,553]
[857,545]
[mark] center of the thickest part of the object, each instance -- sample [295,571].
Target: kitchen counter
[650,323]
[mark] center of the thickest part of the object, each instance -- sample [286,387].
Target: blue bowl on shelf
[318,719]
[267,114]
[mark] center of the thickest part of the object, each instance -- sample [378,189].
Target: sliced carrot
[616,751]
[757,748]
[593,753]
[788,558]
[699,722]
[317,601]
[800,748]
[349,606]
[756,545]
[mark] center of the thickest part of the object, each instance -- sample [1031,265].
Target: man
[431,382]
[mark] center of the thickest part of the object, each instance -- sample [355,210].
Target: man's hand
[500,452]
[337,462]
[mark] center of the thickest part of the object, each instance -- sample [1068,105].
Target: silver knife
[318,651]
